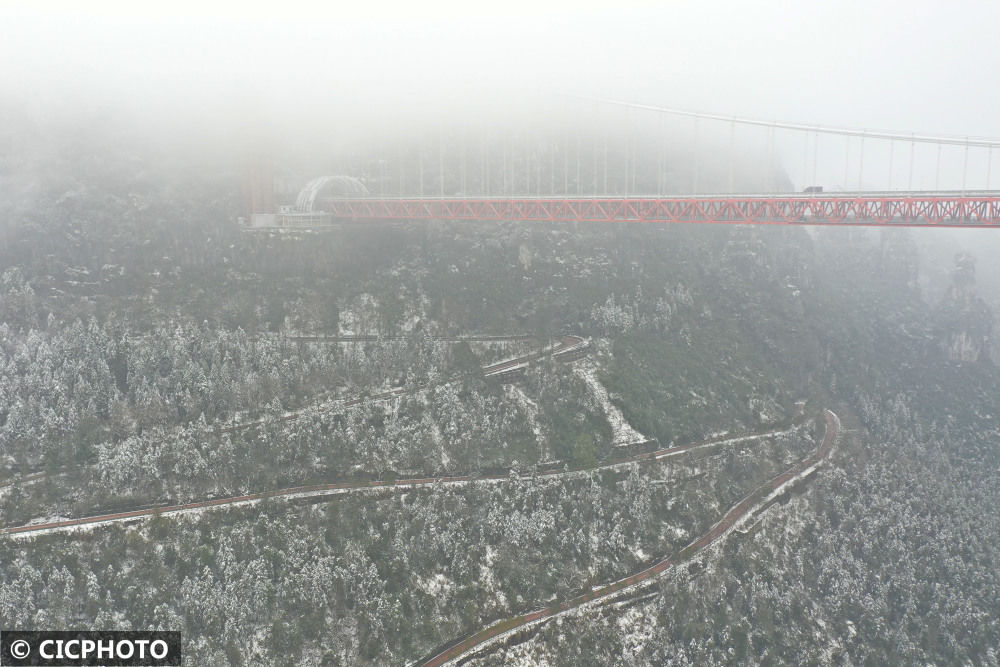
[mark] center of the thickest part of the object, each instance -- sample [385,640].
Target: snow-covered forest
[152,353]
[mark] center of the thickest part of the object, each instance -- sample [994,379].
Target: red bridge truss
[925,209]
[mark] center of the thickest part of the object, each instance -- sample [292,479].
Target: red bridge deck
[915,209]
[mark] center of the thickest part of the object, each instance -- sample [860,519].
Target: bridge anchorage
[563,180]
[305,214]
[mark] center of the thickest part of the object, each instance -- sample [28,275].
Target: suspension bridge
[633,162]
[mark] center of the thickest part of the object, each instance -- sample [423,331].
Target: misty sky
[920,66]
[926,67]
[916,66]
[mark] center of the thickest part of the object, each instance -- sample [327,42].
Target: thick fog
[241,403]
[913,66]
[293,77]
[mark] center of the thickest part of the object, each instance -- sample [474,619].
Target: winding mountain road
[738,513]
[567,347]
[346,487]
[563,350]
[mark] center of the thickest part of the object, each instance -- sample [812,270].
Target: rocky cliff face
[965,322]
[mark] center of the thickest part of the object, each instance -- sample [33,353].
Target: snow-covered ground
[399,485]
[622,432]
[530,409]
[638,638]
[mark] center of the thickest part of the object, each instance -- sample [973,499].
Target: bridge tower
[258,192]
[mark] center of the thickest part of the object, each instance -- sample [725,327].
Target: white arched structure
[341,186]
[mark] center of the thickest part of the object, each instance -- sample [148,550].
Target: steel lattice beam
[897,210]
